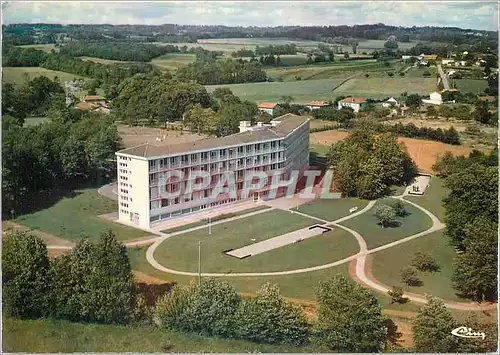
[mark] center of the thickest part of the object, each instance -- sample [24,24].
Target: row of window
[190,210]
[124,158]
[123,204]
[124,211]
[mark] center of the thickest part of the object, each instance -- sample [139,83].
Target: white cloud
[478,15]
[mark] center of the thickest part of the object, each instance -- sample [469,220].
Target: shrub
[399,208]
[424,262]
[270,319]
[409,276]
[386,215]
[396,295]
[169,312]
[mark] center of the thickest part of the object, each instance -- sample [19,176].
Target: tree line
[72,148]
[222,72]
[365,166]
[138,52]
[471,217]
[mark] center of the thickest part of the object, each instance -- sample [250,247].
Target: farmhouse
[353,102]
[435,99]
[95,99]
[316,105]
[430,56]
[448,61]
[267,107]
[147,197]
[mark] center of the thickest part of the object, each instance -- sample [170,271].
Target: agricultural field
[380,88]
[301,91]
[103,61]
[17,75]
[134,136]
[33,121]
[41,47]
[173,61]
[418,72]
[471,85]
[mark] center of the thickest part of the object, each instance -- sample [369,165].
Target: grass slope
[40,47]
[173,61]
[471,85]
[436,283]
[76,216]
[367,225]
[55,336]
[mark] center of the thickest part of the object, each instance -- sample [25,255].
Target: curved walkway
[360,258]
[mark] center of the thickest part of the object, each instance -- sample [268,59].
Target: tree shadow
[392,224]
[152,292]
[316,159]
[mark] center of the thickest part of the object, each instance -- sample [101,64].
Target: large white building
[275,149]
[356,103]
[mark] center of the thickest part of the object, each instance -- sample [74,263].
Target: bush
[268,318]
[399,208]
[424,262]
[386,215]
[169,312]
[396,295]
[409,276]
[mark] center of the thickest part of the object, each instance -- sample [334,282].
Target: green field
[173,61]
[471,85]
[375,235]
[302,91]
[41,47]
[432,200]
[379,88]
[33,121]
[180,252]
[418,72]
[55,336]
[104,61]
[436,283]
[76,215]
[215,219]
[17,75]
[331,210]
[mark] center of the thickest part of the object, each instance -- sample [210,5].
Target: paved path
[444,78]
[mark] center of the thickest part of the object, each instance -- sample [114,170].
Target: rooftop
[317,103]
[267,105]
[286,124]
[93,98]
[353,100]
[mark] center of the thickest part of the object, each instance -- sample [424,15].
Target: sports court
[278,242]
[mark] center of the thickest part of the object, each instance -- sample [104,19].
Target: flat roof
[286,124]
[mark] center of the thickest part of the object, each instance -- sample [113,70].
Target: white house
[353,102]
[391,102]
[435,99]
[267,107]
[448,61]
[316,105]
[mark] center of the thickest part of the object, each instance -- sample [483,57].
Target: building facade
[356,103]
[144,194]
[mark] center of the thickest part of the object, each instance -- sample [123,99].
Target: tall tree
[432,328]
[349,317]
[25,265]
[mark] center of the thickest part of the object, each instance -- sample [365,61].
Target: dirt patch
[134,136]
[423,152]
[49,239]
[321,123]
[141,277]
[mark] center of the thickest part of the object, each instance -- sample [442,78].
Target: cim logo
[464,332]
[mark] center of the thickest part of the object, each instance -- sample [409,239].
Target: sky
[482,15]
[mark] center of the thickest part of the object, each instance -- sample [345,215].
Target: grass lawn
[432,200]
[417,73]
[436,283]
[367,225]
[331,210]
[75,216]
[16,75]
[215,219]
[40,47]
[301,91]
[471,85]
[32,121]
[385,86]
[181,252]
[173,61]
[57,336]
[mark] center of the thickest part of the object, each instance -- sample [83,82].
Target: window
[154,218]
[164,202]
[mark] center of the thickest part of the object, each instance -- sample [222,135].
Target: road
[444,78]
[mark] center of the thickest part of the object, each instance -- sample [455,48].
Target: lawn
[16,75]
[173,61]
[58,336]
[301,91]
[180,252]
[471,85]
[432,200]
[366,224]
[215,219]
[41,47]
[75,216]
[417,72]
[379,88]
[436,283]
[333,209]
